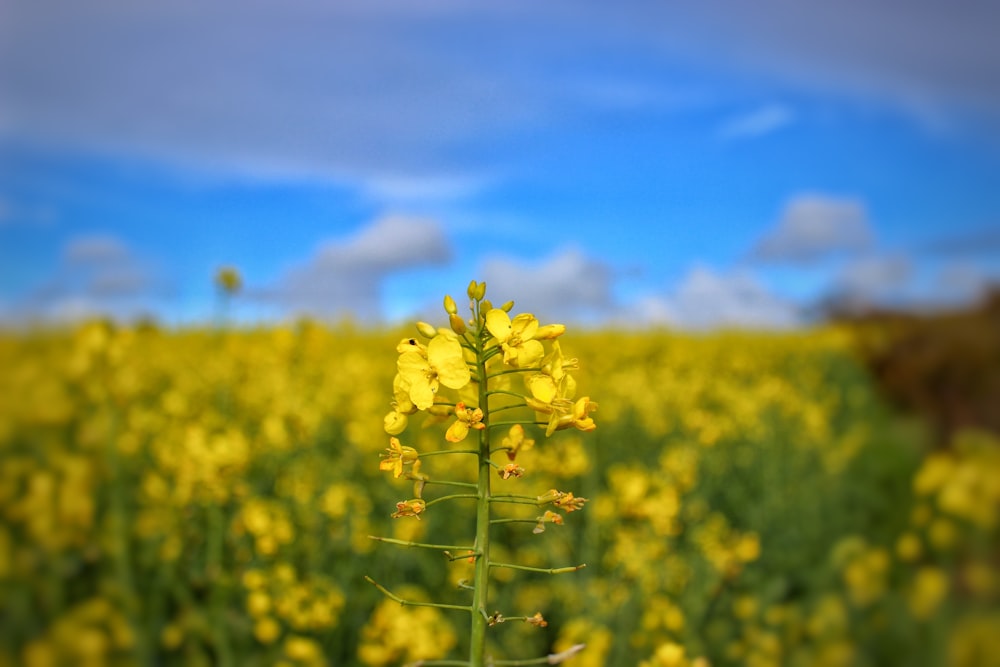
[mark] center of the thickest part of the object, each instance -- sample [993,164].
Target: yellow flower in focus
[397,457]
[467,418]
[578,418]
[516,337]
[444,364]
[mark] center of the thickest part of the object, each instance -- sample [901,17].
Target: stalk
[481,579]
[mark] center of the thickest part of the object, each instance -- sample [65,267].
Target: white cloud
[97,275]
[757,123]
[95,249]
[813,227]
[346,275]
[567,286]
[706,299]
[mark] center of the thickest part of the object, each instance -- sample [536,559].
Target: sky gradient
[684,164]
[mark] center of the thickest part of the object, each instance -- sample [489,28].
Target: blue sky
[684,164]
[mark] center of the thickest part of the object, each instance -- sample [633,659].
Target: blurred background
[690,166]
[774,231]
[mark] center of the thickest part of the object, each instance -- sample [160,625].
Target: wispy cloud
[813,227]
[568,285]
[706,299]
[757,123]
[346,276]
[337,89]
[96,275]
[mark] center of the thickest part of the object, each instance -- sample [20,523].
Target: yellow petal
[524,326]
[446,357]
[541,386]
[457,431]
[529,354]
[498,323]
[412,367]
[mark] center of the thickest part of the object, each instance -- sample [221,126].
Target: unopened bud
[486,306]
[449,305]
[550,331]
[426,330]
[507,306]
[457,324]
[476,290]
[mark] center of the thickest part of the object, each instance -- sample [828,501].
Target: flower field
[207,497]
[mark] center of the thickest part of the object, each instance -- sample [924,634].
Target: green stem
[449,451]
[481,578]
[551,659]
[510,407]
[506,392]
[411,603]
[508,371]
[454,496]
[511,423]
[543,570]
[442,482]
[423,545]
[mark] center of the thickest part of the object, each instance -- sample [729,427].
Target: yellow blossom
[443,364]
[467,418]
[516,337]
[397,457]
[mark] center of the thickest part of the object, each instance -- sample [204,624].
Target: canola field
[206,497]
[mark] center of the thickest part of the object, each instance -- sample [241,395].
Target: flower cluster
[465,375]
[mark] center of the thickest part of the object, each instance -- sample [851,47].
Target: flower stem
[423,545]
[481,578]
[454,496]
[411,603]
[543,570]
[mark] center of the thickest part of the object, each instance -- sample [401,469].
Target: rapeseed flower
[466,419]
[397,456]
[444,363]
[516,337]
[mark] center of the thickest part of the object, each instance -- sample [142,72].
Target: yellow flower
[468,418]
[516,338]
[397,457]
[444,364]
[579,417]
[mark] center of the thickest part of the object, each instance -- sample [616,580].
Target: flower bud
[550,331]
[476,290]
[507,306]
[395,423]
[426,330]
[457,324]
[486,306]
[449,305]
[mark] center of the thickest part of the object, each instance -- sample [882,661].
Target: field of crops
[206,497]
